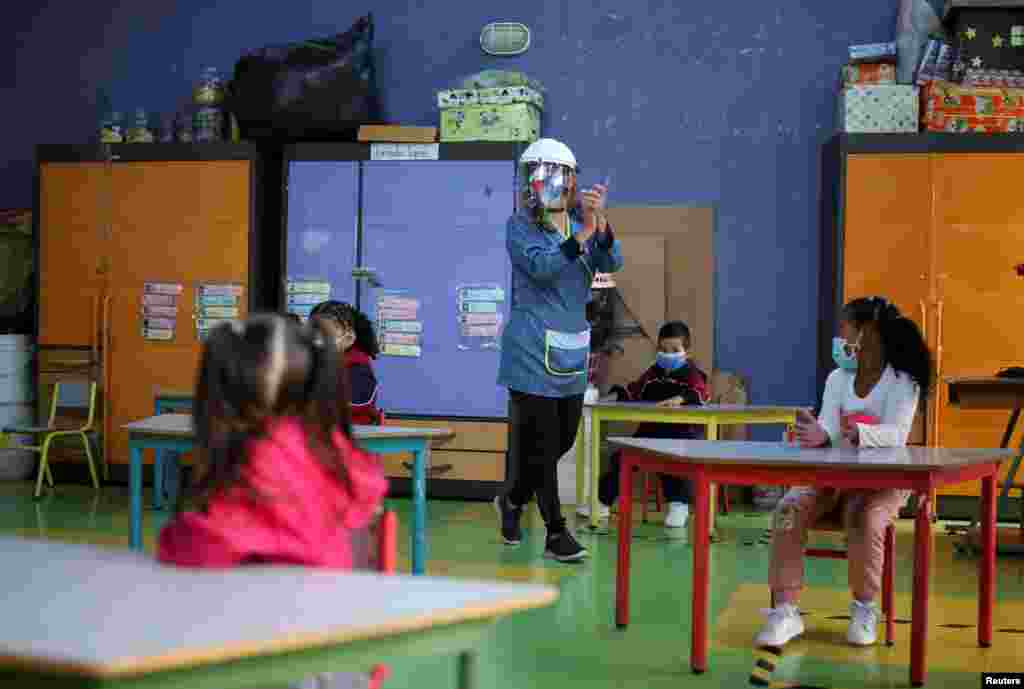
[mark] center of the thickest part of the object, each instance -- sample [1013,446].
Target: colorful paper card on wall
[479,316]
[159,310]
[216,303]
[398,329]
[303,295]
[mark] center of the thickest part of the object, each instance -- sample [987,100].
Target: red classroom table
[920,469]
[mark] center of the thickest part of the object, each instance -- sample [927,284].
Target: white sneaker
[863,629]
[603,512]
[782,626]
[678,513]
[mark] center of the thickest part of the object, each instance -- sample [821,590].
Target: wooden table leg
[701,552]
[625,540]
[987,562]
[922,574]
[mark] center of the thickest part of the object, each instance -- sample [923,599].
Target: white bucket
[15,464]
[16,370]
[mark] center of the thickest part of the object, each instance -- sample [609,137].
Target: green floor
[576,644]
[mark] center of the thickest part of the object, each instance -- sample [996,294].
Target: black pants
[542,430]
[675,489]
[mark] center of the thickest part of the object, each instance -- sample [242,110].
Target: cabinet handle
[431,471]
[94,336]
[924,321]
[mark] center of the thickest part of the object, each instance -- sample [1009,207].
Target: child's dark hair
[348,315]
[252,372]
[903,345]
[675,329]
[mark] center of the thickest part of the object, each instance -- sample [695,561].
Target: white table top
[111,612]
[180,425]
[780,454]
[704,408]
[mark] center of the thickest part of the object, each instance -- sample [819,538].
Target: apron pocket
[566,354]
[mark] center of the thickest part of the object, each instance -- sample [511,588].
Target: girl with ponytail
[884,370]
[277,477]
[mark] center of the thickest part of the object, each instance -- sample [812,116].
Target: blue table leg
[158,479]
[136,498]
[419,520]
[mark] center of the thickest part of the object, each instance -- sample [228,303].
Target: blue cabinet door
[429,228]
[322,223]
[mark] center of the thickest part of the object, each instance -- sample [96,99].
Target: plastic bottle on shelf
[209,90]
[208,96]
[110,129]
[140,133]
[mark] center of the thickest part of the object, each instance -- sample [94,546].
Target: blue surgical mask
[844,354]
[671,361]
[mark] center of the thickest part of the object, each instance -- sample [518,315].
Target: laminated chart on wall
[216,303]
[399,329]
[479,316]
[159,310]
[303,295]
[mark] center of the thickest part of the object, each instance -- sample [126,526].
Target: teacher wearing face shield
[556,244]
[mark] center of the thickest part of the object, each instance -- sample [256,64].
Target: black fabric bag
[320,90]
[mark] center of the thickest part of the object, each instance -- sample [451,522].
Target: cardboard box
[393,133]
[506,95]
[514,122]
[978,124]
[879,109]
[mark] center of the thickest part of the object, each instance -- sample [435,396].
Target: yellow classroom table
[711,416]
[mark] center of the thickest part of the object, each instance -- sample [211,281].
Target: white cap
[548,151]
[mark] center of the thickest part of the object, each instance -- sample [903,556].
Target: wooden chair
[831,524]
[51,431]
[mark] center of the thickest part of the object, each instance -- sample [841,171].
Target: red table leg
[922,573]
[701,548]
[987,563]
[625,540]
[887,585]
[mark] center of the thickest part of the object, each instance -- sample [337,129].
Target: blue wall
[682,103]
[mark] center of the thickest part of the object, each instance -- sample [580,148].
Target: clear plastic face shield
[549,184]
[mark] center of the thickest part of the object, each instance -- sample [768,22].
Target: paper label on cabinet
[398,151]
[401,350]
[163,288]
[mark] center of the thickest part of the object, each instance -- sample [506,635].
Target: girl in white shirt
[884,371]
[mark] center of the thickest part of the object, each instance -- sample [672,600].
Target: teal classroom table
[173,432]
[80,616]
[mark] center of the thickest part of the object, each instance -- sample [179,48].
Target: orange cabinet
[936,226]
[177,214]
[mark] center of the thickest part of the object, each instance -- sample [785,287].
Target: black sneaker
[508,520]
[563,547]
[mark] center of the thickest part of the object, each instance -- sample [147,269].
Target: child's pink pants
[866,514]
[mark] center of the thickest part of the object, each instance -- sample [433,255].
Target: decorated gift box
[879,109]
[989,36]
[869,73]
[507,113]
[948,107]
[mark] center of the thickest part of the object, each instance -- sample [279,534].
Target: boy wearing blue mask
[672,381]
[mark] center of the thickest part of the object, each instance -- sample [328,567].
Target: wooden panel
[978,246]
[469,435]
[465,466]
[138,367]
[689,265]
[641,284]
[886,237]
[181,218]
[73,223]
